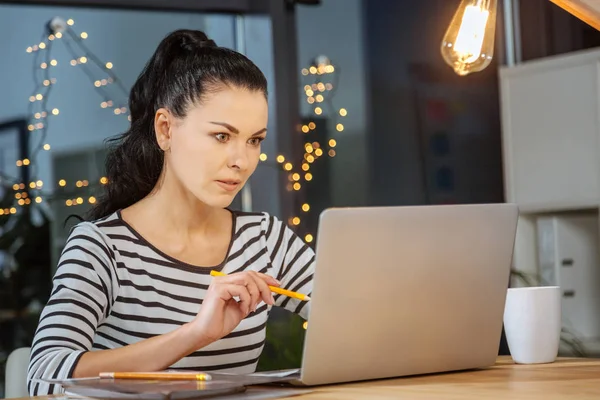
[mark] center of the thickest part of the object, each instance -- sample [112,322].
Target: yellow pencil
[167,376]
[275,289]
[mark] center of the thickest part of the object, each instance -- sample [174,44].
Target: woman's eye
[222,137]
[256,141]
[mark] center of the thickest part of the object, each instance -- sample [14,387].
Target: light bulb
[468,45]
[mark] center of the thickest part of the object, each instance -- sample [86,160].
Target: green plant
[284,341]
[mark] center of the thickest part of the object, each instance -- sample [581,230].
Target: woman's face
[215,148]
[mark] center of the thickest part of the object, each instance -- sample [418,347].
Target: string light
[296,221]
[288,166]
[46,147]
[308,177]
[109,65]
[319,152]
[92,200]
[332,143]
[84,35]
[308,238]
[318,110]
[38,199]
[104,180]
[339,127]
[343,112]
[305,128]
[297,186]
[331,153]
[263,157]
[26,161]
[70,22]
[62,183]
[305,207]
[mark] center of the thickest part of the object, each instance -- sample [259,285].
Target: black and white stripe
[112,288]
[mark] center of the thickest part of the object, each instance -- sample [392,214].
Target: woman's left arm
[295,262]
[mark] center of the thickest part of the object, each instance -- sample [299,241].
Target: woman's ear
[163,121]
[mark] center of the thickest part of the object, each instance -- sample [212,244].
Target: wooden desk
[565,379]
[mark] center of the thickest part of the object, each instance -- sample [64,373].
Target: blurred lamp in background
[468,45]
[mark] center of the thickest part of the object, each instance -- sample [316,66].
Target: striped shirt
[112,288]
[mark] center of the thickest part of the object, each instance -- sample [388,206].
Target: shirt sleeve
[82,294]
[294,262]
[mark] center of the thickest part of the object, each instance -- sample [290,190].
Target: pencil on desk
[274,289]
[167,376]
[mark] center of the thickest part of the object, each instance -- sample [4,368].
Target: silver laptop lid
[407,290]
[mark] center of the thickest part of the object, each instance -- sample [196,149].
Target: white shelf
[550,111]
[551,130]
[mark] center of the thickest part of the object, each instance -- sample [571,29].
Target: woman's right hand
[220,312]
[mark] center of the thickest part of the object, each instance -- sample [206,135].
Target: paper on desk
[253,393]
[221,384]
[280,373]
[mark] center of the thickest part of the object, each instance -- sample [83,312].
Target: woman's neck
[174,210]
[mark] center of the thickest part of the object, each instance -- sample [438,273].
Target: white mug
[532,323]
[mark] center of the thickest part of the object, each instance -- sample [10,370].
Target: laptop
[407,290]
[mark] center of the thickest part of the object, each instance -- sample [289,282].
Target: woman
[134,284]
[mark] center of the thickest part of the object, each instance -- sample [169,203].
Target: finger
[265,291]
[228,291]
[245,279]
[269,279]
[253,289]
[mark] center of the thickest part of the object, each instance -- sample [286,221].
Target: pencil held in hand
[274,289]
[167,376]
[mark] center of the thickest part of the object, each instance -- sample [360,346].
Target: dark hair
[185,67]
